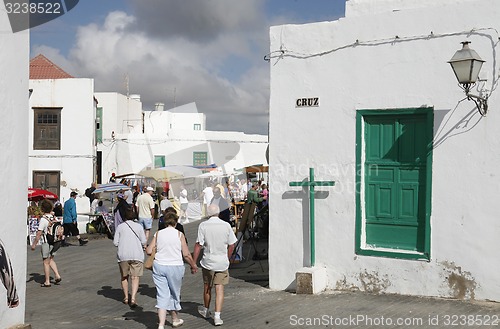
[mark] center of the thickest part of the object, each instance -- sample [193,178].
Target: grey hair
[213,210]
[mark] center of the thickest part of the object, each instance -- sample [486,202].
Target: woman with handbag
[169,247]
[130,240]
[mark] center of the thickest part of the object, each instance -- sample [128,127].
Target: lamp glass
[466,64]
[467,71]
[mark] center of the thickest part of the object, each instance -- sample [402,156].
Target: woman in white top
[168,269]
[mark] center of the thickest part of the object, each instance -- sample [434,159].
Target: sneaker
[177,323]
[203,311]
[218,321]
[83,242]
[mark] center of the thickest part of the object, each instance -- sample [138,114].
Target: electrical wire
[283,52]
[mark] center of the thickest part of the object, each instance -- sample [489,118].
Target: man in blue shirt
[70,219]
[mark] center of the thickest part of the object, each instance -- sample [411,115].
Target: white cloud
[192,65]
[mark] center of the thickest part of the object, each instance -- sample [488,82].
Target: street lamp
[466,65]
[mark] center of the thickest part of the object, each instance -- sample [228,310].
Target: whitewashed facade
[173,137]
[386,55]
[184,118]
[73,162]
[14,59]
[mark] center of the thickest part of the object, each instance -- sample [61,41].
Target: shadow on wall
[451,123]
[304,196]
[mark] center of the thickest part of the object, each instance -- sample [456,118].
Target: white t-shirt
[43,226]
[145,203]
[129,196]
[183,196]
[164,204]
[215,235]
[208,194]
[94,205]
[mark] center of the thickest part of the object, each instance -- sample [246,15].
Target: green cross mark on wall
[311,184]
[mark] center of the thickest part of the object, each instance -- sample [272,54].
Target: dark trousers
[71,228]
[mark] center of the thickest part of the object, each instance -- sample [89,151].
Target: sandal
[125,301]
[133,304]
[177,323]
[43,285]
[57,281]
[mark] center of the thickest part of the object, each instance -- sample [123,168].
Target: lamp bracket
[481,102]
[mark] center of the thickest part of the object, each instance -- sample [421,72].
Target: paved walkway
[90,297]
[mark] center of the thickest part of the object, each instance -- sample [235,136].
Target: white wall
[370,7]
[170,134]
[14,65]
[75,158]
[130,153]
[381,71]
[179,118]
[120,113]
[186,121]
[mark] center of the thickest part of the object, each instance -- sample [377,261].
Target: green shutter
[98,128]
[159,161]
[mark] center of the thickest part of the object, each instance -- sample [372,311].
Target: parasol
[36,194]
[168,173]
[110,187]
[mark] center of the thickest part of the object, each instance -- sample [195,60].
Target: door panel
[395,172]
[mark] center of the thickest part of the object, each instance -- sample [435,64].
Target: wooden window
[394,159]
[47,180]
[47,129]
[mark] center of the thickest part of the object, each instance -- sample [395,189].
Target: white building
[173,137]
[14,59]
[184,118]
[416,166]
[62,135]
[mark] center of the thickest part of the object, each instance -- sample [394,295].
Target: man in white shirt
[165,202]
[146,209]
[217,240]
[129,196]
[243,189]
[208,194]
[184,205]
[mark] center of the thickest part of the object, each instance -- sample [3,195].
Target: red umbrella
[36,194]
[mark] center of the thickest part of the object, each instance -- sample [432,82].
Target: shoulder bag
[148,264]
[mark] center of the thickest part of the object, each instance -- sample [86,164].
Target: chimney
[136,97]
[159,106]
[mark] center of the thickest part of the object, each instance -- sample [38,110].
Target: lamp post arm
[481,103]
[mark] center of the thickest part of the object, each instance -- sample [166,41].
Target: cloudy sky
[179,51]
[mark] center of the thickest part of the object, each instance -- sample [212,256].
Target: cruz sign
[307,102]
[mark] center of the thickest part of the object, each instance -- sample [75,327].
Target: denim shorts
[147,223]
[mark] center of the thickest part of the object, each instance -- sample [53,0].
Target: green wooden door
[395,170]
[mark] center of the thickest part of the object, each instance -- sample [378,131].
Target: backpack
[55,231]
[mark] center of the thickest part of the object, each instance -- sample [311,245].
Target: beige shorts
[212,277]
[131,267]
